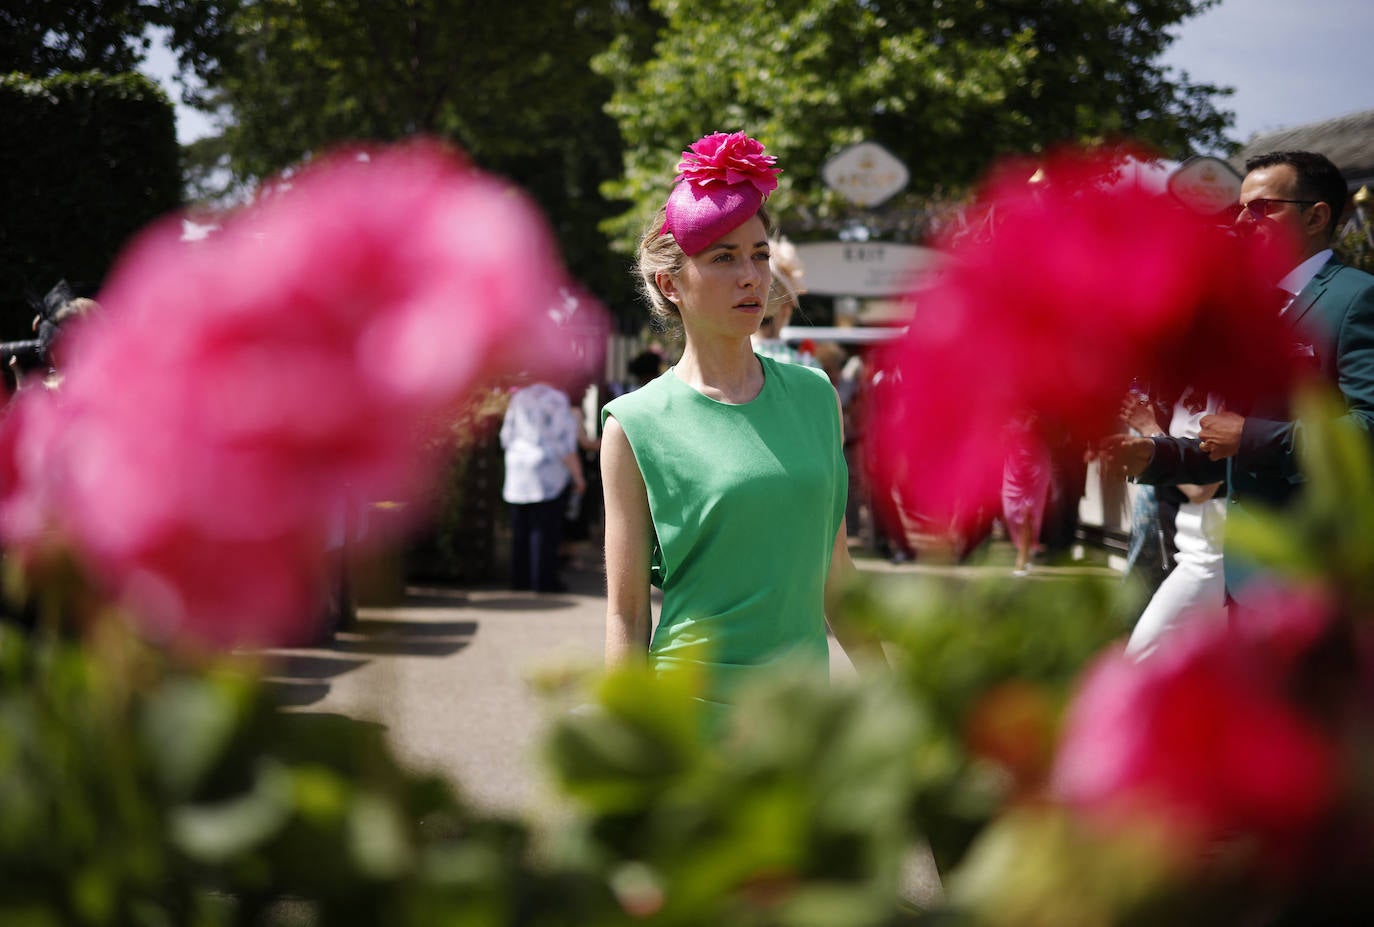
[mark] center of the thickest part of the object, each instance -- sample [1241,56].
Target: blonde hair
[659,253]
[788,271]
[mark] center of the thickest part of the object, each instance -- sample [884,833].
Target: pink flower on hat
[246,396]
[722,158]
[724,180]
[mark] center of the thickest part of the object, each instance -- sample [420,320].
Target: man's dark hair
[1318,179]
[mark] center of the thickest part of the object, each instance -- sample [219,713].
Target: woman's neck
[726,371]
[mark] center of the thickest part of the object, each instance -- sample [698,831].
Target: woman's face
[723,289]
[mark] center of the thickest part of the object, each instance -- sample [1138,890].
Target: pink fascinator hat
[724,180]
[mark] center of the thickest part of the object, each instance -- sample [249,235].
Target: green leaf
[643,732]
[186,727]
[378,838]
[216,833]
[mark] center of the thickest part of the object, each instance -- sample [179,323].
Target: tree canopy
[947,85]
[511,86]
[41,38]
[87,160]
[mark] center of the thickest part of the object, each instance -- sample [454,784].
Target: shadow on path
[301,677]
[295,693]
[296,679]
[525,602]
[405,637]
[400,627]
[435,597]
[309,666]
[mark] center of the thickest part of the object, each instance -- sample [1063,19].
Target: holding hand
[1125,455]
[1219,436]
[1139,413]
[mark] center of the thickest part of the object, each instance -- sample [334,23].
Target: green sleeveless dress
[746,501]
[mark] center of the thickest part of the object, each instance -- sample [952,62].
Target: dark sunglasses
[1262,208]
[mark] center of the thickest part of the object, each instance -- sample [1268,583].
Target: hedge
[85,161]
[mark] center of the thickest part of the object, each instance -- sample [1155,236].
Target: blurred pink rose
[1072,288]
[1204,739]
[242,393]
[28,431]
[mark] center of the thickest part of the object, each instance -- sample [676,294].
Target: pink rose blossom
[1202,738]
[1071,289]
[243,394]
[729,159]
[28,432]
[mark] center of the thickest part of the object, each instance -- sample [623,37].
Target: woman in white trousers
[1195,589]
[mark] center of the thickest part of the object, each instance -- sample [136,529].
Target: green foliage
[1355,246]
[946,86]
[973,654]
[800,817]
[1324,538]
[459,544]
[1038,867]
[133,792]
[43,38]
[86,160]
[802,812]
[513,90]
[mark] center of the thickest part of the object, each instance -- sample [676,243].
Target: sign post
[863,269]
[866,174]
[1205,185]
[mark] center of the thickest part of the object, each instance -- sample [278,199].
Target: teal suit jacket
[1333,327]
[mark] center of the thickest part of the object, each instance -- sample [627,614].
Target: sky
[1290,61]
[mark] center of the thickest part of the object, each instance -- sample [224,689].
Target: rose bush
[263,379]
[1070,287]
[243,394]
[1203,740]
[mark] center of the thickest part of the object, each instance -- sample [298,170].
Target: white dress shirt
[538,432]
[1302,275]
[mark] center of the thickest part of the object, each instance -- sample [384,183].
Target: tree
[41,38]
[87,160]
[89,152]
[512,88]
[947,85]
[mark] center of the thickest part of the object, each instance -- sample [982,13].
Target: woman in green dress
[724,478]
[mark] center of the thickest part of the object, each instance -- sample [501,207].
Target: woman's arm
[862,650]
[629,542]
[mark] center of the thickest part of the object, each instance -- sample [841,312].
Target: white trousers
[1196,589]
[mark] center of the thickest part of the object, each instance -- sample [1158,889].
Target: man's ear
[1318,218]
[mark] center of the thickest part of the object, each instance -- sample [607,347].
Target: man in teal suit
[1290,203]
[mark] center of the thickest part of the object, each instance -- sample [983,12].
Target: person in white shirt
[539,437]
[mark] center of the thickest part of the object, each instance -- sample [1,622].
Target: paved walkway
[448,672]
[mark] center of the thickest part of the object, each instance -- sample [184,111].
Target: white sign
[871,268]
[865,174]
[1206,185]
